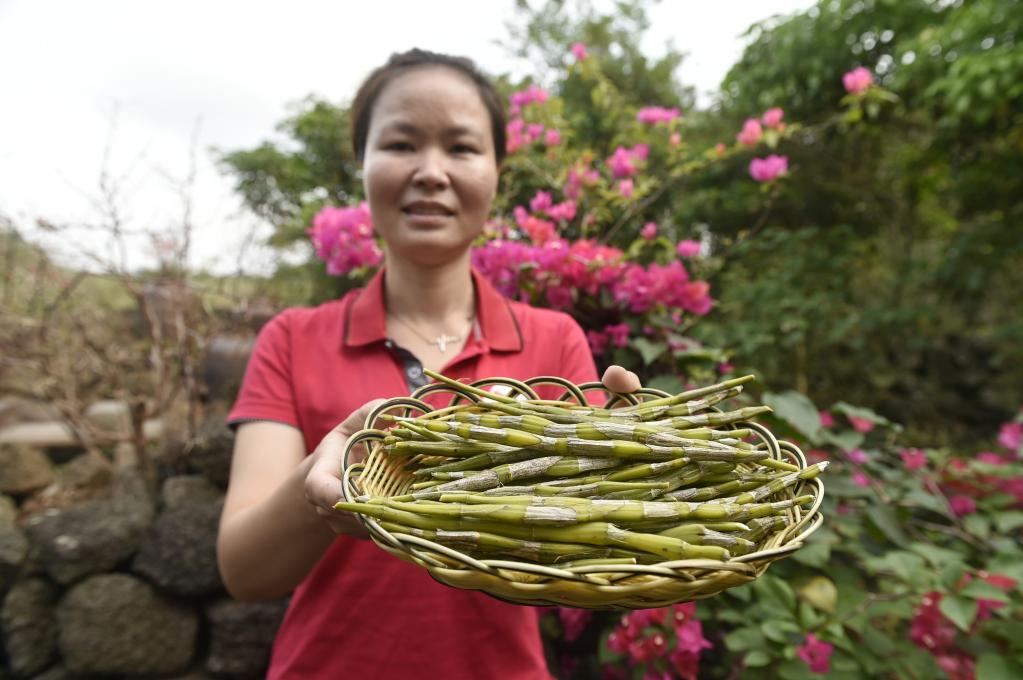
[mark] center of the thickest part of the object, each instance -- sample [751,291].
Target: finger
[618,379]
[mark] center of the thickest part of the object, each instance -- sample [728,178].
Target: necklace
[441,341]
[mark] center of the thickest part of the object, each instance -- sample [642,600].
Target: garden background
[843,222]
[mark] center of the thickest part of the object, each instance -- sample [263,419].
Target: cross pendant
[442,342]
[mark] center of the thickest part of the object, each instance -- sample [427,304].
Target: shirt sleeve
[267,390]
[576,358]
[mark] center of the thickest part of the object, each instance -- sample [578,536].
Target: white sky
[231,68]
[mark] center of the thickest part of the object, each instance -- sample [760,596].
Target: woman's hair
[398,64]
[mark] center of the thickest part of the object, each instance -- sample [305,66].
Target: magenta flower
[625,188]
[573,621]
[653,115]
[621,163]
[598,341]
[991,458]
[1011,436]
[552,138]
[724,368]
[772,117]
[858,456]
[962,505]
[751,132]
[688,248]
[618,333]
[913,459]
[649,231]
[827,420]
[343,239]
[857,80]
[541,201]
[720,148]
[579,51]
[929,628]
[533,94]
[534,130]
[816,653]
[768,169]
[675,139]
[861,425]
[860,479]
[640,151]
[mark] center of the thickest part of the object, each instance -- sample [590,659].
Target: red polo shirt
[362,613]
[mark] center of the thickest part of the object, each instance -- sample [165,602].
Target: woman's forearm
[266,549]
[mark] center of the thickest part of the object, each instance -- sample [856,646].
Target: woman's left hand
[619,380]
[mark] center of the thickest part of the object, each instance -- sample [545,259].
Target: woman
[429,132]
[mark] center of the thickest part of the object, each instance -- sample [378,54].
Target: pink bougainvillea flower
[860,479]
[1001,581]
[991,458]
[720,148]
[862,425]
[573,621]
[816,653]
[657,114]
[768,169]
[857,80]
[579,51]
[724,368]
[560,297]
[619,334]
[913,459]
[621,163]
[751,132]
[772,117]
[625,188]
[957,665]
[827,420]
[649,231]
[817,455]
[534,130]
[343,238]
[541,201]
[640,151]
[533,94]
[1011,436]
[929,629]
[962,505]
[552,138]
[598,341]
[858,456]
[675,139]
[688,248]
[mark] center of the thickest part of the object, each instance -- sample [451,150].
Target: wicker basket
[590,586]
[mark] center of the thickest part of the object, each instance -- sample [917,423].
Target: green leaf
[938,557]
[978,525]
[959,611]
[814,554]
[757,658]
[997,667]
[884,518]
[744,638]
[649,351]
[1007,521]
[667,383]
[797,410]
[928,501]
[821,593]
[779,630]
[860,412]
[772,591]
[877,641]
[847,440]
[982,590]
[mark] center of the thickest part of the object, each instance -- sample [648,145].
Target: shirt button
[414,372]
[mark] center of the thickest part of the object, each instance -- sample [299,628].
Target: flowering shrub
[916,572]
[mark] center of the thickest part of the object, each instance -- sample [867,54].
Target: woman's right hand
[323,482]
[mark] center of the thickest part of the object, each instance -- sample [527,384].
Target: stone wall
[100,577]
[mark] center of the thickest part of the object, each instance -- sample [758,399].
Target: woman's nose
[431,171]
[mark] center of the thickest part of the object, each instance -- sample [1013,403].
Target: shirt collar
[366,320]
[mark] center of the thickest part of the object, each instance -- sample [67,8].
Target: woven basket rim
[618,583]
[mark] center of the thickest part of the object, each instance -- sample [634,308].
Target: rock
[29,627]
[210,455]
[13,552]
[111,417]
[86,473]
[23,469]
[18,410]
[89,538]
[116,624]
[58,672]
[189,490]
[8,510]
[242,635]
[223,366]
[179,552]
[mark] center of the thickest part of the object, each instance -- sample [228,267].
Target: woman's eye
[398,146]
[463,148]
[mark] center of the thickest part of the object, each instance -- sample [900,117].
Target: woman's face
[429,168]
